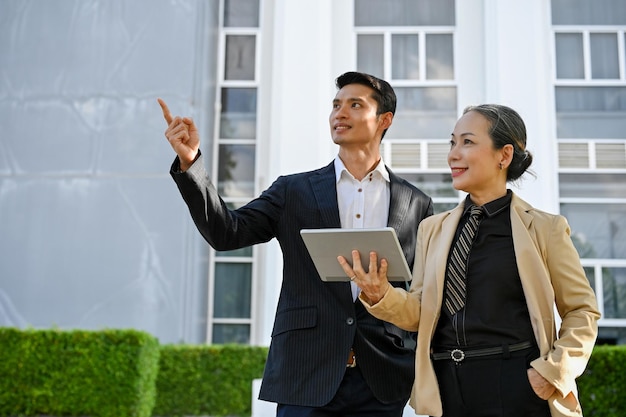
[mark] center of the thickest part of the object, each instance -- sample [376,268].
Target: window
[590,102]
[231,273]
[410,43]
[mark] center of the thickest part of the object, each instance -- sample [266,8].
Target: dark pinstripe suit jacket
[316,323]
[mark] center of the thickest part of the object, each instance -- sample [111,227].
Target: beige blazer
[551,273]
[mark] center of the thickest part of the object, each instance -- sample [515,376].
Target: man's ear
[386,119]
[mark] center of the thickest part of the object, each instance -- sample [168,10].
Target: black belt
[458,355]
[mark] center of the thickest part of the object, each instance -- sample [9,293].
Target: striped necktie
[457,267]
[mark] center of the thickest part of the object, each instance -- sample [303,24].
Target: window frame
[421,146]
[596,264]
[215,257]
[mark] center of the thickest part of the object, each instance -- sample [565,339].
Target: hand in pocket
[540,385]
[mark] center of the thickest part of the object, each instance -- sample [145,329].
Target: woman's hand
[373,284]
[540,385]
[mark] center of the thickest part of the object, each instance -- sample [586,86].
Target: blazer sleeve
[398,306]
[222,227]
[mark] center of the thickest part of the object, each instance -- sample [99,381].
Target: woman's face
[473,161]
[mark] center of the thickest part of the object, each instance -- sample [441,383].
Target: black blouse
[495,310]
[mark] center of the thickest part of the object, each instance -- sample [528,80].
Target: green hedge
[108,373]
[120,373]
[603,384]
[205,380]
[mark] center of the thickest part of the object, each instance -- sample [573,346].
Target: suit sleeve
[222,227]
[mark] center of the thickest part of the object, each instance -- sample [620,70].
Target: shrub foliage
[126,373]
[110,373]
[202,380]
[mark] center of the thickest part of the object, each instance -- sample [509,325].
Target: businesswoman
[487,276]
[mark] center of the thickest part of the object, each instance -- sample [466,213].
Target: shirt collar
[493,207]
[340,168]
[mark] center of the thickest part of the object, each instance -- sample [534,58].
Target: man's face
[353,119]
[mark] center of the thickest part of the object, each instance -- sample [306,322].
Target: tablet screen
[324,245]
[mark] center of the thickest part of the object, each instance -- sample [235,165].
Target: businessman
[328,356]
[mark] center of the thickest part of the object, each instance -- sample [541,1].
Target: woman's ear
[507,155]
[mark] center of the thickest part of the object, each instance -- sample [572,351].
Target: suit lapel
[530,262]
[325,193]
[520,228]
[399,201]
[324,186]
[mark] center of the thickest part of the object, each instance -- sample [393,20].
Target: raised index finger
[166,111]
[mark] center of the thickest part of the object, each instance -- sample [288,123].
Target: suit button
[349,321]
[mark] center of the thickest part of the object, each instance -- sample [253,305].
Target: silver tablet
[324,245]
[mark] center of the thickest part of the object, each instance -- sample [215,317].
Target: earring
[500,166]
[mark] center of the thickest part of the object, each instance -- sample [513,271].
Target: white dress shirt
[362,204]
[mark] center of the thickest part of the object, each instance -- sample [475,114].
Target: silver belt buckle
[457,355]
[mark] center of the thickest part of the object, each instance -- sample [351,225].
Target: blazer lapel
[520,228]
[324,186]
[530,262]
[521,208]
[325,193]
[400,199]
